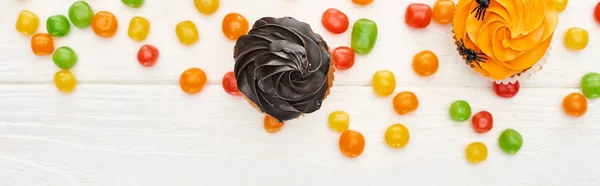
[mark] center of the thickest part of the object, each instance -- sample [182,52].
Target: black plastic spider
[470,55]
[481,9]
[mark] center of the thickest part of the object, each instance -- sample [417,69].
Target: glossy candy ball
[81,14]
[234,26]
[575,104]
[343,57]
[597,13]
[230,84]
[27,23]
[272,125]
[64,58]
[508,90]
[147,55]
[482,122]
[510,141]
[405,102]
[397,136]
[418,15]
[206,7]
[364,36]
[352,143]
[105,24]
[65,81]
[362,2]
[335,21]
[576,39]
[133,3]
[192,80]
[590,85]
[187,33]
[339,121]
[476,152]
[560,5]
[443,11]
[42,44]
[384,83]
[460,111]
[139,28]
[58,25]
[425,63]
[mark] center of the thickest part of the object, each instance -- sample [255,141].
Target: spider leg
[483,14]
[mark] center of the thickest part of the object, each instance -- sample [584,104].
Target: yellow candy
[138,28]
[560,5]
[397,136]
[206,7]
[187,32]
[384,83]
[64,81]
[27,23]
[339,121]
[476,152]
[576,38]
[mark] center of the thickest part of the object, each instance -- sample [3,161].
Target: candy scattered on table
[65,81]
[590,85]
[339,121]
[147,55]
[443,11]
[58,25]
[105,24]
[42,44]
[476,152]
[576,39]
[206,7]
[139,28]
[272,125]
[234,26]
[362,2]
[335,21]
[425,63]
[510,141]
[133,3]
[192,80]
[560,5]
[405,102]
[230,84]
[343,57]
[81,14]
[364,36]
[507,90]
[575,104]
[187,33]
[27,23]
[383,83]
[352,143]
[482,121]
[460,111]
[64,58]
[418,15]
[397,136]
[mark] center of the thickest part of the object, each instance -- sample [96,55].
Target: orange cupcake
[504,40]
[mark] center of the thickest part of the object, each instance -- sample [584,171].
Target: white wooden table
[127,125]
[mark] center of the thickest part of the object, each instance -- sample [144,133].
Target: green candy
[81,14]
[510,141]
[64,57]
[133,3]
[590,85]
[460,111]
[364,36]
[58,25]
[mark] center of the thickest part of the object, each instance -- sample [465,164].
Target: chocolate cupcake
[283,68]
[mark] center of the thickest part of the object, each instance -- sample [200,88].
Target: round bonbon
[476,152]
[64,57]
[339,121]
[575,104]
[482,122]
[230,84]
[343,57]
[81,14]
[58,25]
[384,83]
[510,141]
[460,111]
[425,63]
[27,23]
[352,143]
[335,21]
[65,81]
[405,102]
[147,55]
[397,136]
[192,80]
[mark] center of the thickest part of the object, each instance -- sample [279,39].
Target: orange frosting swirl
[509,37]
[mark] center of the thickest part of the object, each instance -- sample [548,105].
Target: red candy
[418,15]
[507,90]
[597,13]
[482,122]
[230,84]
[343,57]
[147,55]
[335,21]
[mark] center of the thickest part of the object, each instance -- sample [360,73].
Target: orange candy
[443,11]
[192,80]
[405,102]
[234,26]
[42,44]
[425,63]
[352,143]
[575,104]
[362,2]
[105,24]
[272,125]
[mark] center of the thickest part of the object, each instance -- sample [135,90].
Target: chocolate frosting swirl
[282,67]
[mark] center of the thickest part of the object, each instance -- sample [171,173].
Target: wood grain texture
[126,125]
